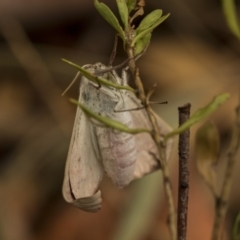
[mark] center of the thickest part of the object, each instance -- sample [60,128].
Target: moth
[96,150]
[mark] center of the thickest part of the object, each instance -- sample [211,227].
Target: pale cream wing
[83,171]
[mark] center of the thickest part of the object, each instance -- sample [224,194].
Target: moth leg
[121,103]
[123,80]
[117,79]
[130,109]
[96,85]
[125,77]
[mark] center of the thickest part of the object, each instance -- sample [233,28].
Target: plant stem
[183,182]
[156,137]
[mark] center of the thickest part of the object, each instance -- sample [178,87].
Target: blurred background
[192,56]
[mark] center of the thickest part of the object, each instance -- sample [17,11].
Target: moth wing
[147,153]
[83,171]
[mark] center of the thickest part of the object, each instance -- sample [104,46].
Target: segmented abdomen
[118,151]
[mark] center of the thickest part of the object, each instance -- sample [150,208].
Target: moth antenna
[165,102]
[109,69]
[70,85]
[130,109]
[114,50]
[140,108]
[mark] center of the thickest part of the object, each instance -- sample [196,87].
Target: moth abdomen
[118,151]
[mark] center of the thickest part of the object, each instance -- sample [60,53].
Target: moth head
[105,72]
[99,66]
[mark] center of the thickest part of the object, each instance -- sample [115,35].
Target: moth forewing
[83,171]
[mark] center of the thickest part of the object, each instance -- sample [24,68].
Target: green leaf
[131,4]
[109,122]
[200,114]
[149,20]
[142,44]
[145,32]
[90,76]
[230,13]
[207,146]
[123,11]
[108,15]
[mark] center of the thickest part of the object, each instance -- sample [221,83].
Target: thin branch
[183,182]
[156,137]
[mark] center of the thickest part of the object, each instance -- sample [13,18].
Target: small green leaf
[207,146]
[109,122]
[131,4]
[230,13]
[149,20]
[200,114]
[108,15]
[98,79]
[143,33]
[123,12]
[142,44]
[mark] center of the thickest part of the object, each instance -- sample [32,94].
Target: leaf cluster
[140,37]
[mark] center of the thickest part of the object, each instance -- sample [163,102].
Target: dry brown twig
[183,180]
